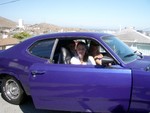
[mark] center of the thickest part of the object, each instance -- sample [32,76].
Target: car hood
[143,63]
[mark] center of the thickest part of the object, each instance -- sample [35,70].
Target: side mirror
[138,53]
[107,60]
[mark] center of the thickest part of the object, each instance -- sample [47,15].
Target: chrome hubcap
[11,89]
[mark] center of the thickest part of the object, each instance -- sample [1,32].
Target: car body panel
[80,88]
[141,92]
[141,88]
[139,63]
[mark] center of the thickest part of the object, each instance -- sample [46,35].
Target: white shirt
[76,60]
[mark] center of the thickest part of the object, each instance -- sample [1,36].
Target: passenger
[94,51]
[82,55]
[71,47]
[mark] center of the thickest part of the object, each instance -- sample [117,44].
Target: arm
[98,59]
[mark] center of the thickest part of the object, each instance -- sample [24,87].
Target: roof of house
[131,35]
[8,41]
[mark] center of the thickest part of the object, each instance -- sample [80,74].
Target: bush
[21,35]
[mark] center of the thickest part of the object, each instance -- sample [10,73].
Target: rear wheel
[12,91]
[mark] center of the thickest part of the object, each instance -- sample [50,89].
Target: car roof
[96,35]
[26,43]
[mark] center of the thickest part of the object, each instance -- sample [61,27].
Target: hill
[47,28]
[4,22]
[36,28]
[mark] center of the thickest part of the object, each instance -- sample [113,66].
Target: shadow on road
[28,107]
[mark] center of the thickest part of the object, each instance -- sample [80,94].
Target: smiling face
[81,50]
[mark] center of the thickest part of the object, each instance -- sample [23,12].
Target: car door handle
[37,72]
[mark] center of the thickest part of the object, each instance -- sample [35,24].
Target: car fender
[8,73]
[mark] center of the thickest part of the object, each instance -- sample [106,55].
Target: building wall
[6,47]
[144,48]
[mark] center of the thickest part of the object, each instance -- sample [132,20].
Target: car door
[80,88]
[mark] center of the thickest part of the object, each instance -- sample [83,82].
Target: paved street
[28,107]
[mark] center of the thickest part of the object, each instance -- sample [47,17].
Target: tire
[12,91]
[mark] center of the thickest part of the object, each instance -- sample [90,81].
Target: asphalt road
[27,107]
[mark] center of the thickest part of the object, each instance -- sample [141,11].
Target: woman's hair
[85,58]
[95,44]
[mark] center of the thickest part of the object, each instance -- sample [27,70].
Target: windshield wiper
[129,55]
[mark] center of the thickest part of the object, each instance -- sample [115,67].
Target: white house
[135,40]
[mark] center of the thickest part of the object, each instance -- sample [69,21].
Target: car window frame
[34,43]
[81,38]
[53,50]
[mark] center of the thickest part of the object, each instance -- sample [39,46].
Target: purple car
[40,67]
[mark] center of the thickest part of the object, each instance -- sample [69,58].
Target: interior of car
[63,54]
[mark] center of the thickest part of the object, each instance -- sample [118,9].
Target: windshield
[120,48]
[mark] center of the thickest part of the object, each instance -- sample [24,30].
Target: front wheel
[12,91]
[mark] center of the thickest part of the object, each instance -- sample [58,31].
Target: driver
[94,51]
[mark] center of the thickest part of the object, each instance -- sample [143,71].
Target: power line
[9,2]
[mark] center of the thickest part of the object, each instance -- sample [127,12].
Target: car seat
[64,57]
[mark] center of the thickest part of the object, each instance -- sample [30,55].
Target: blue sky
[80,13]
